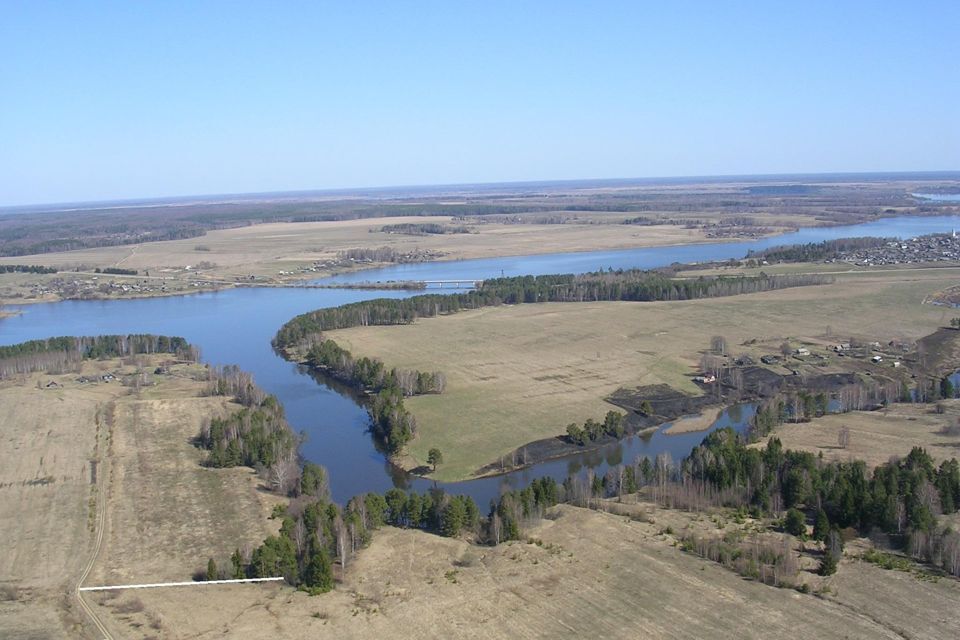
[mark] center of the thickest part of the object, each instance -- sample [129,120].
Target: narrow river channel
[235,326]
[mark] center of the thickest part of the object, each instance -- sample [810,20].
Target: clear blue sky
[137,99]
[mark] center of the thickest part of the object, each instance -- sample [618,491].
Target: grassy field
[165,514]
[876,436]
[266,250]
[592,575]
[517,374]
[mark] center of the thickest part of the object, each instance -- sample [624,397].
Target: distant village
[932,248]
[95,288]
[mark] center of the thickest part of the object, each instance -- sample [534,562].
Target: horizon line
[385,190]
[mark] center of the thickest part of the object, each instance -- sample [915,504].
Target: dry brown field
[877,436]
[521,373]
[592,574]
[165,514]
[584,573]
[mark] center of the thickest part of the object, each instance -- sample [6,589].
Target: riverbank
[510,384]
[236,326]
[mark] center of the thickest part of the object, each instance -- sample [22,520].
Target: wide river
[235,326]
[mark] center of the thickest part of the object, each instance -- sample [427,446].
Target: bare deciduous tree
[718,344]
[843,437]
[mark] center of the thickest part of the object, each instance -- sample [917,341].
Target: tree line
[58,355]
[26,268]
[803,406]
[629,285]
[901,498]
[371,373]
[422,229]
[392,423]
[29,242]
[116,271]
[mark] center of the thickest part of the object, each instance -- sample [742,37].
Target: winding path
[101,502]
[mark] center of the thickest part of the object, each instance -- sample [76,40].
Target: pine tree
[453,518]
[318,574]
[821,526]
[828,566]
[795,524]
[212,570]
[237,561]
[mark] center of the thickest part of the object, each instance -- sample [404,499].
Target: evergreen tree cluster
[253,437]
[257,435]
[901,498]
[392,423]
[797,407]
[116,271]
[516,508]
[591,431]
[434,511]
[633,285]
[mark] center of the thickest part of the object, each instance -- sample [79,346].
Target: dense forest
[57,355]
[631,285]
[815,251]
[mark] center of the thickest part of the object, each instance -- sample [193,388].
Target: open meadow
[520,373]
